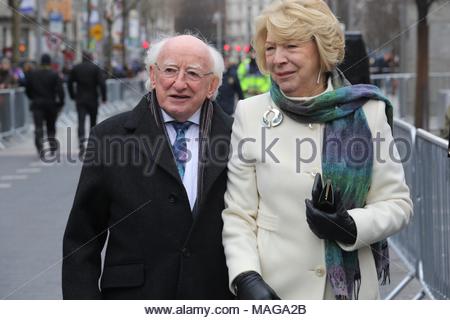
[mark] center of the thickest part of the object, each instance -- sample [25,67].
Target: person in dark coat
[355,65]
[7,79]
[85,81]
[230,90]
[45,91]
[153,180]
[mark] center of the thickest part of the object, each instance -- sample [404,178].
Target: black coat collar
[155,144]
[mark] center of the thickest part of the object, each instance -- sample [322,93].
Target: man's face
[181,95]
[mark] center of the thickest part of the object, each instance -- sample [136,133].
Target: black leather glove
[326,216]
[250,286]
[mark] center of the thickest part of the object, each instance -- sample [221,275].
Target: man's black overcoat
[131,195]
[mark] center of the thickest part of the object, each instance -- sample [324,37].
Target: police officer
[253,82]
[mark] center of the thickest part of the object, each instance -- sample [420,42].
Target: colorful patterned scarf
[347,159]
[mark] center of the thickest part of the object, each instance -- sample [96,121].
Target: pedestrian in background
[7,79]
[445,131]
[85,81]
[355,65]
[28,66]
[163,213]
[286,235]
[44,88]
[230,91]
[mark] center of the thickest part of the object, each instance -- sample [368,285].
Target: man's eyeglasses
[170,72]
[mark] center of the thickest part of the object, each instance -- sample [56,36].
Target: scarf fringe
[355,296]
[380,251]
[342,289]
[356,287]
[385,275]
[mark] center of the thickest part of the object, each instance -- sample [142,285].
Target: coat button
[320,271]
[172,198]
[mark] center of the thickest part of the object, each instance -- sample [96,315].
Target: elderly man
[153,180]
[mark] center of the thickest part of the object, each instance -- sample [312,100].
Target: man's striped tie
[179,146]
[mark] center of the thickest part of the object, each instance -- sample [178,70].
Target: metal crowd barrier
[113,90]
[68,115]
[424,245]
[131,90]
[15,119]
[433,203]
[407,242]
[400,89]
[14,114]
[121,95]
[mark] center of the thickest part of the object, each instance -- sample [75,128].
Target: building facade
[146,21]
[239,23]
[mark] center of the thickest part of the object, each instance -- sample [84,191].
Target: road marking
[40,164]
[14,177]
[35,164]
[29,170]
[5,185]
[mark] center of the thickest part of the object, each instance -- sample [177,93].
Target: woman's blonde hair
[301,20]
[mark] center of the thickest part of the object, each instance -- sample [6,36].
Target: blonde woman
[314,182]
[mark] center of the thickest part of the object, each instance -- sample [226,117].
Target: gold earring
[318,77]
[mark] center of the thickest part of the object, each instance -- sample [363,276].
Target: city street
[36,198]
[366,84]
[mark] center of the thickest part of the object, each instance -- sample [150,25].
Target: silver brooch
[272,118]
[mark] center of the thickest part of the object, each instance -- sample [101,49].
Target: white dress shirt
[192,139]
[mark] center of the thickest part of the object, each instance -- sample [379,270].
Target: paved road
[398,272]
[35,199]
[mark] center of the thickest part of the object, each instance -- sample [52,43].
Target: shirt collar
[195,118]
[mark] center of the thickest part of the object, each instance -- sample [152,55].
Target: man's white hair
[155,50]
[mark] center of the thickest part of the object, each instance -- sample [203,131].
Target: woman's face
[294,66]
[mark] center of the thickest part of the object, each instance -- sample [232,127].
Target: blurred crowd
[15,76]
[241,78]
[11,77]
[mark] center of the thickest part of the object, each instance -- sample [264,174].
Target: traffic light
[237,48]
[226,47]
